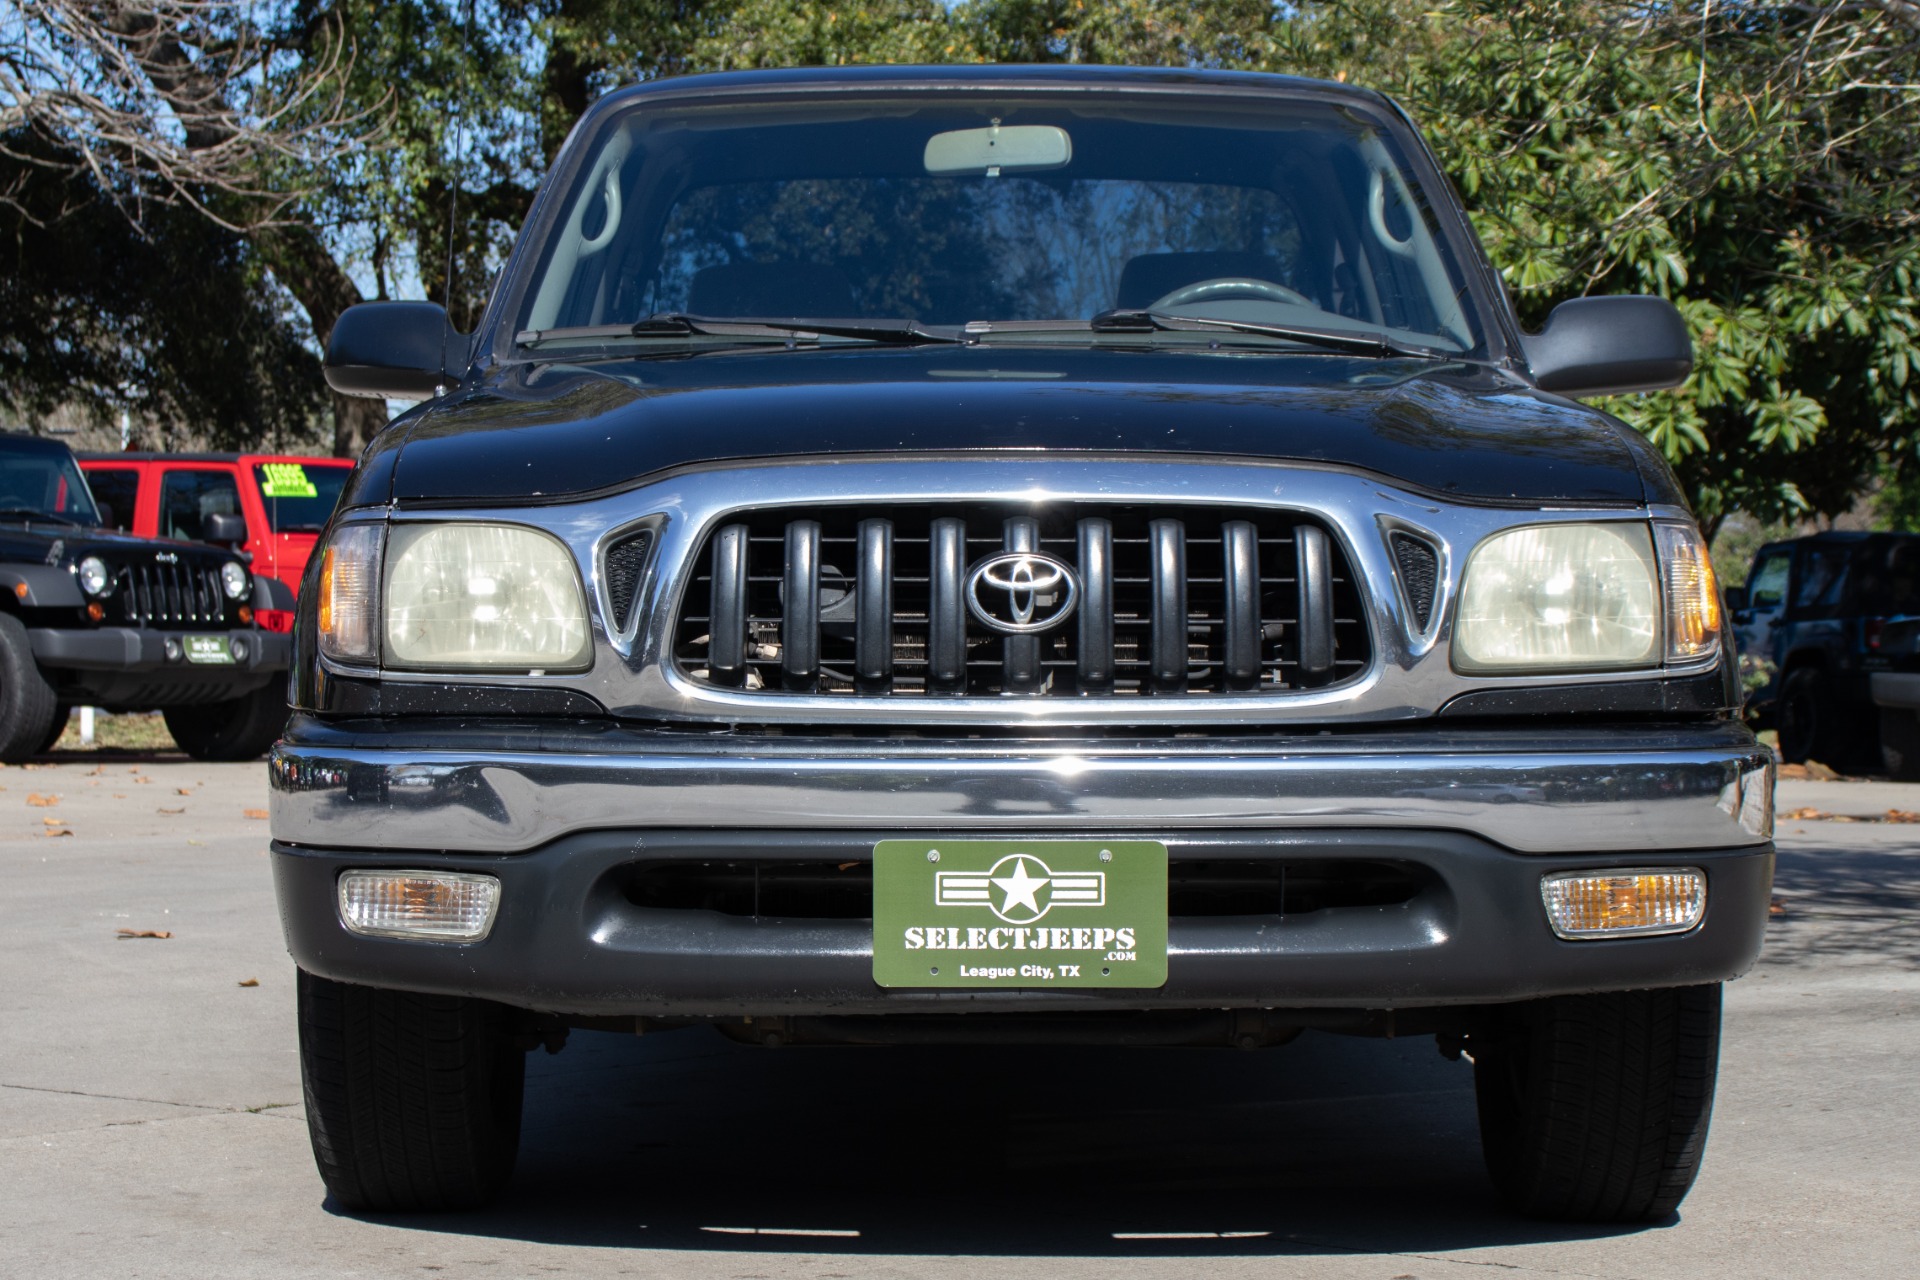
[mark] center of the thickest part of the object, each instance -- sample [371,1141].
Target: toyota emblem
[1021,592]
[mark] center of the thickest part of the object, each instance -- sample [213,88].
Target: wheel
[26,699]
[238,729]
[1594,1108]
[413,1101]
[57,729]
[1900,743]
[1815,724]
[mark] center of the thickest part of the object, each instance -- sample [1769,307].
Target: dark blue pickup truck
[1832,619]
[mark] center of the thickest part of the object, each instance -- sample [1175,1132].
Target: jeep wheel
[1814,724]
[238,729]
[1594,1108]
[26,699]
[413,1101]
[57,729]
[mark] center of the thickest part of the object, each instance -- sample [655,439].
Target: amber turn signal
[1617,904]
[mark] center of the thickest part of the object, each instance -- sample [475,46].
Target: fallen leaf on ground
[181,791]
[1777,908]
[118,796]
[143,779]
[1901,815]
[251,982]
[1812,771]
[97,770]
[1805,815]
[144,933]
[53,822]
[56,831]
[255,813]
[39,801]
[182,809]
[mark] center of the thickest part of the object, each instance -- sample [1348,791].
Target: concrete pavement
[150,1122]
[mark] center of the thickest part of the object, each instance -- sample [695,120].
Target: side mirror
[407,350]
[224,528]
[106,514]
[1609,346]
[1736,598]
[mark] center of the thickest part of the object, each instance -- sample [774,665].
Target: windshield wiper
[675,324]
[34,513]
[1361,343]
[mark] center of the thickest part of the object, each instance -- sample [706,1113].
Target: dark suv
[94,617]
[919,555]
[1817,618]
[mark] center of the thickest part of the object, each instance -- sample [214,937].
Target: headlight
[1566,597]
[93,576]
[349,574]
[1693,597]
[233,577]
[483,596]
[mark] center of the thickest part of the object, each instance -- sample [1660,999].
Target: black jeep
[93,617]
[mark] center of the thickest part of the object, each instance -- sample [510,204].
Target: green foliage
[177,323]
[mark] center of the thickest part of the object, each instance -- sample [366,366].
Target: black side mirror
[224,528]
[106,514]
[1609,346]
[1736,598]
[407,350]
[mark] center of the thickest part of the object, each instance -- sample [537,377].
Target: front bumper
[135,649]
[566,814]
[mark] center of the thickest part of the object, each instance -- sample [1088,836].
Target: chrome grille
[1169,601]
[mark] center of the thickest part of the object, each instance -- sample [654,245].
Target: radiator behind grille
[1168,601]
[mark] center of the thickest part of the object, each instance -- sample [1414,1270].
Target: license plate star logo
[1020,888]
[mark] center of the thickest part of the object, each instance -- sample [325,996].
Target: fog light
[238,648]
[1618,904]
[172,648]
[450,906]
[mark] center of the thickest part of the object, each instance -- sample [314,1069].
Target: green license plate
[1020,913]
[207,649]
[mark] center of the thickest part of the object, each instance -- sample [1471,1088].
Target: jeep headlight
[482,596]
[92,573]
[1563,597]
[233,579]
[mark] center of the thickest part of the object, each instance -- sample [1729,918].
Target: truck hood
[1463,432]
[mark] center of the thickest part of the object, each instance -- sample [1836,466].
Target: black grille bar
[1240,559]
[1316,601]
[946,607]
[156,594]
[1021,654]
[1096,604]
[727,651]
[1168,635]
[800,602]
[873,628]
[1169,600]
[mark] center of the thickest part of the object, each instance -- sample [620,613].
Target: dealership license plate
[207,649]
[1020,913]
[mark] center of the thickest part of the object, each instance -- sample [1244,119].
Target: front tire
[26,699]
[1595,1108]
[1900,743]
[238,729]
[413,1101]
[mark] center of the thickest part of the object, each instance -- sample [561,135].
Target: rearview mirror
[406,350]
[1610,346]
[999,148]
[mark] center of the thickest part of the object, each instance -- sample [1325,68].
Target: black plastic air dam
[569,939]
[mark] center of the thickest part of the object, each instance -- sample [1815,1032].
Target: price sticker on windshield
[286,480]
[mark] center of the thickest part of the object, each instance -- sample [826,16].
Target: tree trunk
[323,290]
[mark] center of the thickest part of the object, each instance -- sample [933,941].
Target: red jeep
[285,500]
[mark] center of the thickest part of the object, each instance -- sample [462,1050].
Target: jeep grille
[1180,600]
[152,594]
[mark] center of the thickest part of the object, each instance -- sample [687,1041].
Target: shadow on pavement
[1848,899]
[686,1141]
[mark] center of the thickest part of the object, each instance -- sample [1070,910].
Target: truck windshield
[952,210]
[42,480]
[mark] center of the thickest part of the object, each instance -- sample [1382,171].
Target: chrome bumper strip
[1698,787]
